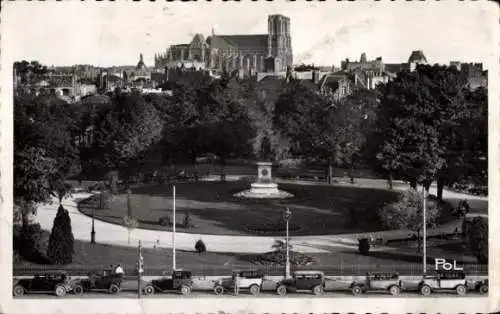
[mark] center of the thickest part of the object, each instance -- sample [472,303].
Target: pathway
[113,234]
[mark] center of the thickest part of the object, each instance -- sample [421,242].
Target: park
[356,177]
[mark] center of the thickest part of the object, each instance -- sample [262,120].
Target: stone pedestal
[264,171]
[264,184]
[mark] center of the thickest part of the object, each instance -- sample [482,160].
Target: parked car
[444,280]
[103,281]
[179,281]
[303,280]
[482,286]
[378,282]
[250,280]
[58,283]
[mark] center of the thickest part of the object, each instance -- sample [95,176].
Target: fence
[268,270]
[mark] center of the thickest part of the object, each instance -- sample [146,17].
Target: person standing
[236,284]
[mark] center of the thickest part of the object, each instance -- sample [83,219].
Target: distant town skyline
[112,34]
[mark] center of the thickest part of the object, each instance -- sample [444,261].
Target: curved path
[107,233]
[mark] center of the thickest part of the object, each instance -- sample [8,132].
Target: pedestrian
[236,284]
[119,270]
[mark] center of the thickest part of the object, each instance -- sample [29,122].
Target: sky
[323,33]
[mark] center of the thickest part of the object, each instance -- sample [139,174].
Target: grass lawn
[214,210]
[93,257]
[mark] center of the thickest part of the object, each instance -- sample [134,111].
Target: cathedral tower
[279,41]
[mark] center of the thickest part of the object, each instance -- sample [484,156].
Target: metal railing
[268,270]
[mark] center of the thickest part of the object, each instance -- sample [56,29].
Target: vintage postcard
[249,157]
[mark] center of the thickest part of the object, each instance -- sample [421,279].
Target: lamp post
[424,226]
[174,266]
[92,232]
[287,216]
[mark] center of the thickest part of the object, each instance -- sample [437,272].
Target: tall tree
[44,150]
[324,133]
[126,130]
[423,131]
[408,136]
[61,242]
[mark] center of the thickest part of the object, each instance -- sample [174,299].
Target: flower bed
[279,258]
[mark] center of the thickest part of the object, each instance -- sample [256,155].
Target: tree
[44,151]
[478,238]
[125,131]
[324,133]
[60,250]
[428,126]
[227,123]
[406,213]
[130,223]
[408,135]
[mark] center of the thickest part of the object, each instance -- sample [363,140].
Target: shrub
[186,223]
[406,213]
[61,240]
[31,243]
[478,239]
[200,246]
[364,246]
[165,221]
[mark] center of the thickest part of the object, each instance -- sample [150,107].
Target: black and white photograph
[248,153]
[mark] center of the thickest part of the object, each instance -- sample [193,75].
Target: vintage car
[303,280]
[179,281]
[58,283]
[482,286]
[378,282]
[102,281]
[250,280]
[444,280]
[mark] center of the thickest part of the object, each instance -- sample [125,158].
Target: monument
[264,186]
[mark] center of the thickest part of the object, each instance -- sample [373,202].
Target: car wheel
[356,290]
[461,290]
[281,290]
[185,290]
[77,289]
[18,291]
[148,290]
[219,290]
[394,290]
[318,290]
[483,289]
[60,291]
[254,290]
[425,290]
[114,289]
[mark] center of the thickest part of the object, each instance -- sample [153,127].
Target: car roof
[308,272]
[52,273]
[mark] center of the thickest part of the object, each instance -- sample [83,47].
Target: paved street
[270,294]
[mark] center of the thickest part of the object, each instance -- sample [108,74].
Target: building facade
[249,54]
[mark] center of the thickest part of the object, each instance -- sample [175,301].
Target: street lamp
[287,216]
[92,232]
[424,226]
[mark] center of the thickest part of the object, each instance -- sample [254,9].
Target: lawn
[344,261]
[214,210]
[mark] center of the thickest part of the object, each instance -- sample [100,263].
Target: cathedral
[248,54]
